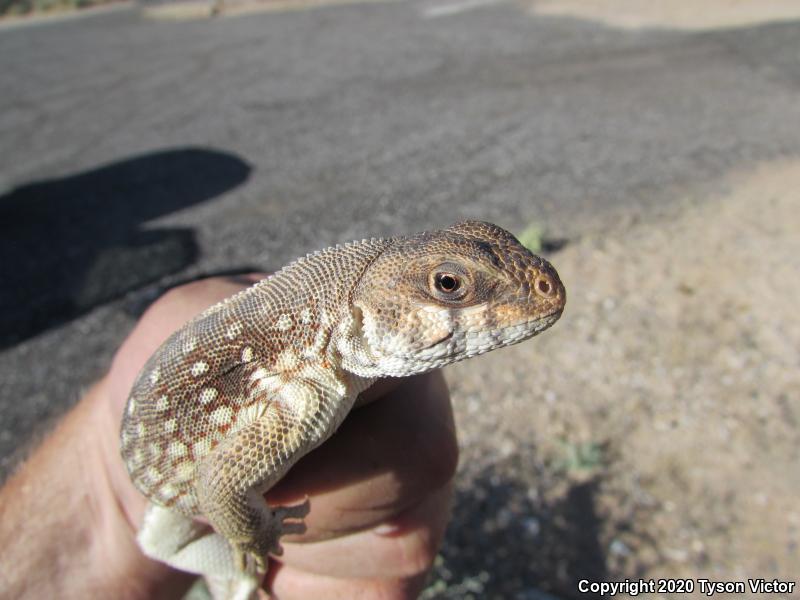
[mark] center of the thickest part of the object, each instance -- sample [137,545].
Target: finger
[385,457]
[299,585]
[378,390]
[401,547]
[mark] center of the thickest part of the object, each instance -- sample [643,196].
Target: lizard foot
[274,523]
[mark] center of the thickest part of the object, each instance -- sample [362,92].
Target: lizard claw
[285,520]
[275,523]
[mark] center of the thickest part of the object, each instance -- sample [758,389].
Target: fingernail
[386,529]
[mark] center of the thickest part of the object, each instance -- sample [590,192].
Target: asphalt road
[136,153]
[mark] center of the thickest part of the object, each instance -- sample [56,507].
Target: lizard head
[439,297]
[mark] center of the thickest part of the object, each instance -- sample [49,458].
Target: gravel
[654,432]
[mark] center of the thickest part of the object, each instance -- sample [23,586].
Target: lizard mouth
[458,345]
[518,332]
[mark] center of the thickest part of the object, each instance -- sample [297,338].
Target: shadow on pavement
[70,244]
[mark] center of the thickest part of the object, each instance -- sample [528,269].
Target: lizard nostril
[543,287]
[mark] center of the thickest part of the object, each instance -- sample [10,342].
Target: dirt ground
[655,431]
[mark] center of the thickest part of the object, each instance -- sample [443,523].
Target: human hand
[379,489]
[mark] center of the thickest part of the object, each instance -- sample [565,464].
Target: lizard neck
[350,347]
[321,286]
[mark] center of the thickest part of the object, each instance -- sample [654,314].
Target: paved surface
[135,154]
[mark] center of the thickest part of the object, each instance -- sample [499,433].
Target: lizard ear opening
[364,330]
[358,319]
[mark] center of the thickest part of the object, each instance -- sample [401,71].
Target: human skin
[379,491]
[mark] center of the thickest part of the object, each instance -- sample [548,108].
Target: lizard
[230,401]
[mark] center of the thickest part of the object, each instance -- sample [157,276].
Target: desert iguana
[235,397]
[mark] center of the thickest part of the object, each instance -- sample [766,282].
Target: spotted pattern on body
[237,395]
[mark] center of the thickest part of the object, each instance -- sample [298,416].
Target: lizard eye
[447,282]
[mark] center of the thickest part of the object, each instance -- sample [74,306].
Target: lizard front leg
[231,480]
